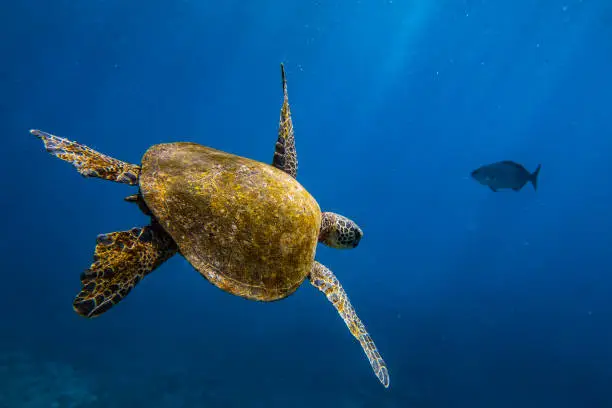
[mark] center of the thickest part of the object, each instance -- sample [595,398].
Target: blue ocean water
[474,298]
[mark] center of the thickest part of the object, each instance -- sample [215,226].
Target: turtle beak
[358,236]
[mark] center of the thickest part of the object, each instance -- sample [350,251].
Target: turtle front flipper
[121,260]
[87,161]
[285,155]
[324,280]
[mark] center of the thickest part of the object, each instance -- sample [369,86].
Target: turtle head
[339,232]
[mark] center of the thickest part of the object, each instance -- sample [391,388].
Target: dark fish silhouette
[505,174]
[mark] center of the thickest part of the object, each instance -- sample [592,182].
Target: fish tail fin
[534,177]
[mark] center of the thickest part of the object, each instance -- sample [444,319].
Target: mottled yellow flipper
[285,155]
[324,280]
[121,260]
[87,161]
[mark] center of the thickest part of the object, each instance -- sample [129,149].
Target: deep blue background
[475,299]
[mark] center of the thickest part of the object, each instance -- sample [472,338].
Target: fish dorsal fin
[511,163]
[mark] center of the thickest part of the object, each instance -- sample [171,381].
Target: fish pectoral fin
[493,189]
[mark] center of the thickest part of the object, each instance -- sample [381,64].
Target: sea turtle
[248,227]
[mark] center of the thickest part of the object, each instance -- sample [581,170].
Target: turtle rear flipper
[121,260]
[87,161]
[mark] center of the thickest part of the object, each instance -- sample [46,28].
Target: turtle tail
[121,260]
[87,161]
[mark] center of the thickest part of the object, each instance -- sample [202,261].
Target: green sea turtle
[248,227]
